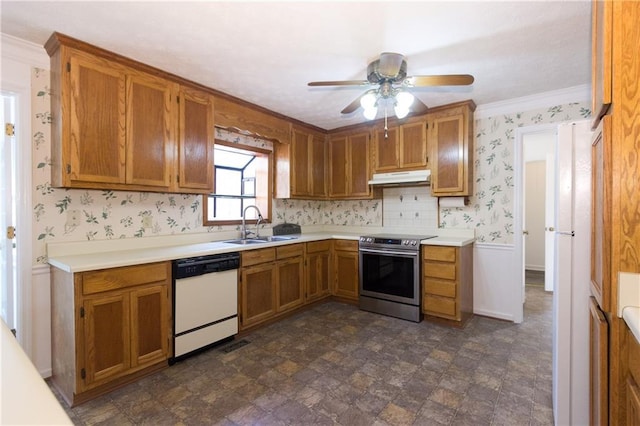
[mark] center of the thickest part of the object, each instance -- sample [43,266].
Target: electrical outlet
[73,218]
[147,221]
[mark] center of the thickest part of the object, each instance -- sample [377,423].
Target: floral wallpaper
[120,214]
[490,210]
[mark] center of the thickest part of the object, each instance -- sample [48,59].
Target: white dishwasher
[205,302]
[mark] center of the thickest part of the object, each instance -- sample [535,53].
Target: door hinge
[83,374]
[9,129]
[82,312]
[68,168]
[11,232]
[178,99]
[68,66]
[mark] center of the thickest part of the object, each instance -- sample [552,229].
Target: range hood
[417,177]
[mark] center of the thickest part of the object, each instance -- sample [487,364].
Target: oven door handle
[390,252]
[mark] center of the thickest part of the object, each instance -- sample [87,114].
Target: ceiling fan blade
[389,64]
[439,80]
[339,83]
[353,105]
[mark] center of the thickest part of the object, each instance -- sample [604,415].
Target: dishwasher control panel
[200,265]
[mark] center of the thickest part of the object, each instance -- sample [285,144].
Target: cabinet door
[318,152]
[633,403]
[359,165]
[338,155]
[599,365]
[448,143]
[386,155]
[258,293]
[601,57]
[413,145]
[149,325]
[95,146]
[601,213]
[290,279]
[346,274]
[318,274]
[195,145]
[300,163]
[150,130]
[106,340]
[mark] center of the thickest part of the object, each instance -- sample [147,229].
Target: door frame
[518,211]
[22,91]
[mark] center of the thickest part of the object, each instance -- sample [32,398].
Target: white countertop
[26,398]
[631,316]
[87,257]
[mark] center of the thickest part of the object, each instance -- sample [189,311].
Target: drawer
[445,271]
[440,287]
[253,257]
[317,246]
[126,276]
[439,253]
[440,305]
[634,356]
[290,250]
[346,245]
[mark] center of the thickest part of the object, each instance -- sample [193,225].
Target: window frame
[263,171]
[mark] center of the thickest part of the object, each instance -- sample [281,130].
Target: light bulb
[400,111]
[368,100]
[370,113]
[404,100]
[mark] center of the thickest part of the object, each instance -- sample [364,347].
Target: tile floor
[337,365]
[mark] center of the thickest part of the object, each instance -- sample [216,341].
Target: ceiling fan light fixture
[404,100]
[369,100]
[400,111]
[370,113]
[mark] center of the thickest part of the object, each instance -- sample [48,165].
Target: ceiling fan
[389,74]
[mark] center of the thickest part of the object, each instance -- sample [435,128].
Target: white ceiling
[266,52]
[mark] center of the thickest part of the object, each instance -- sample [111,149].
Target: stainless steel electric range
[389,279]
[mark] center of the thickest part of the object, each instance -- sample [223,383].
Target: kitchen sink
[271,239]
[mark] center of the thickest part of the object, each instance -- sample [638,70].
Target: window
[242,178]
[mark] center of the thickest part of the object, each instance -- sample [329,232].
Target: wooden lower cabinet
[318,270]
[447,282]
[345,263]
[271,282]
[633,379]
[108,327]
[599,365]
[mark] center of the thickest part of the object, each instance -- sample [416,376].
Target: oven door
[390,275]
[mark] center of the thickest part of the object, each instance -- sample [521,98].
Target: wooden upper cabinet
[150,130]
[413,146]
[93,111]
[195,144]
[601,58]
[117,124]
[350,165]
[386,150]
[338,157]
[450,140]
[301,165]
[402,147]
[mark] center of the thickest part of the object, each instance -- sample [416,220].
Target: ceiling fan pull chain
[386,134]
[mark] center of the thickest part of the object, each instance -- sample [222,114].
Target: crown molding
[580,93]
[24,51]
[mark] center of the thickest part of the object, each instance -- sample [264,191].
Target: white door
[550,222]
[571,284]
[8,280]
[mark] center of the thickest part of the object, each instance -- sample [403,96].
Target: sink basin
[271,239]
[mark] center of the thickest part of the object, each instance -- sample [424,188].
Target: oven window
[388,275]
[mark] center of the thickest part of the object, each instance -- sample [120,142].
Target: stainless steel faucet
[245,231]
